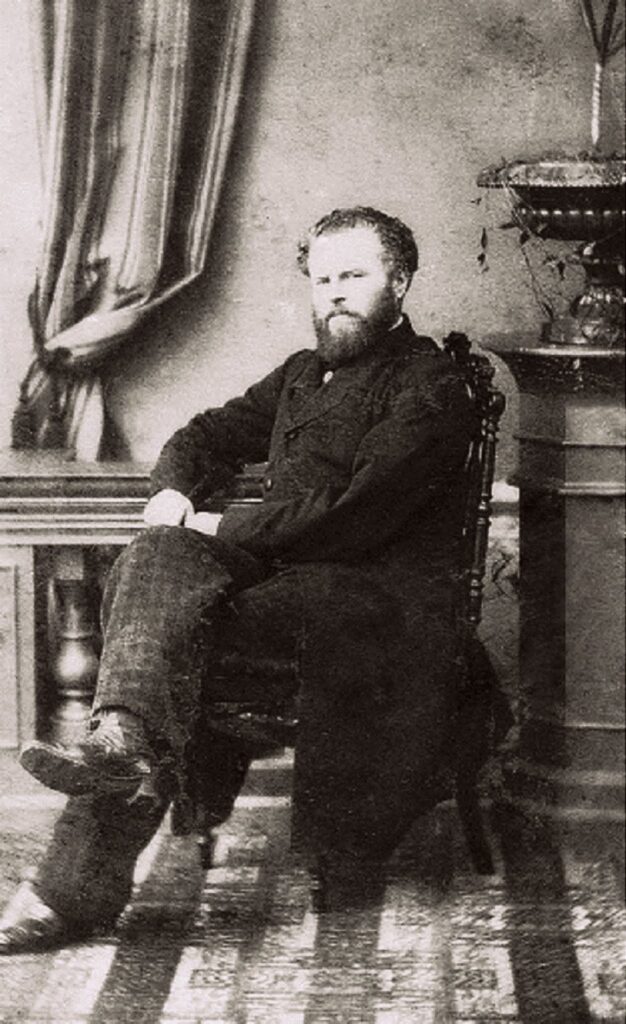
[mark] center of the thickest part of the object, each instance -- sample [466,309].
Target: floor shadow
[548,981]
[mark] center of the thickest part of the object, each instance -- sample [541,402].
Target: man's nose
[337,291]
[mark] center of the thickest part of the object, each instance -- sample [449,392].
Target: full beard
[343,336]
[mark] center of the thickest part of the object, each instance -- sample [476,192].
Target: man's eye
[322,280]
[355,273]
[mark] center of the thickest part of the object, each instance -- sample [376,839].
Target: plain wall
[394,103]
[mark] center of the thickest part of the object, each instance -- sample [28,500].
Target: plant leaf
[607,28]
[617,41]
[590,22]
[548,310]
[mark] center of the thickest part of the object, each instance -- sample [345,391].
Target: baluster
[74,663]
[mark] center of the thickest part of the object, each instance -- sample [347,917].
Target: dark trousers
[176,602]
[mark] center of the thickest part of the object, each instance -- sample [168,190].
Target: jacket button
[268,483]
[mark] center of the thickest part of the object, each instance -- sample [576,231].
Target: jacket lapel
[309,398]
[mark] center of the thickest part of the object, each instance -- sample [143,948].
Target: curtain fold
[137,106]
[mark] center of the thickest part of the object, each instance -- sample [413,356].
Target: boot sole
[76,774]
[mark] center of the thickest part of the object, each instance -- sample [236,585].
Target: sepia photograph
[312,481]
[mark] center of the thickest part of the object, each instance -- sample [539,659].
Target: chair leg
[473,826]
[206,845]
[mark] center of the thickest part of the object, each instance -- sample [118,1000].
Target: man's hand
[171,508]
[167,508]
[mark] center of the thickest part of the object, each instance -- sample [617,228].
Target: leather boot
[115,759]
[29,925]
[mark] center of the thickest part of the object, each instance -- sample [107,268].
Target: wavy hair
[396,238]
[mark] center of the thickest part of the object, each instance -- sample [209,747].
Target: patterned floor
[541,941]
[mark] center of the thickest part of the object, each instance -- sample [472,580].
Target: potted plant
[580,199]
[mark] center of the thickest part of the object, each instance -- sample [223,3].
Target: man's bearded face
[355,294]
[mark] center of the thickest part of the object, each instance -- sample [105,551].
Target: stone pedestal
[570,763]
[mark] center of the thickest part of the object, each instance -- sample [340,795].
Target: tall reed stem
[596,103]
[607,39]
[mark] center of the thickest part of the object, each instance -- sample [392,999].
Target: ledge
[553,369]
[55,474]
[50,498]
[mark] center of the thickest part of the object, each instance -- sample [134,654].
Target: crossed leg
[167,596]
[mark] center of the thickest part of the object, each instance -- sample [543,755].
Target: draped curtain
[137,107]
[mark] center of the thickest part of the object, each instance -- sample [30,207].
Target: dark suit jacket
[363,499]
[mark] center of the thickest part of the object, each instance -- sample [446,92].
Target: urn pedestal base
[569,767]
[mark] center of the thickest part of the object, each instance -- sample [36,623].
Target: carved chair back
[480,467]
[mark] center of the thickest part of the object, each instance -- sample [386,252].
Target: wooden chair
[264,727]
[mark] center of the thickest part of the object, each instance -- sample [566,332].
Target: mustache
[342,312]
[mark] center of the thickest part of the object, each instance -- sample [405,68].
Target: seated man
[346,571]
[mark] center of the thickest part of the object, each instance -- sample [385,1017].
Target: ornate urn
[579,200]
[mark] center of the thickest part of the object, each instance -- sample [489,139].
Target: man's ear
[400,283]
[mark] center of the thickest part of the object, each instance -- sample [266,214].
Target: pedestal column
[570,762]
